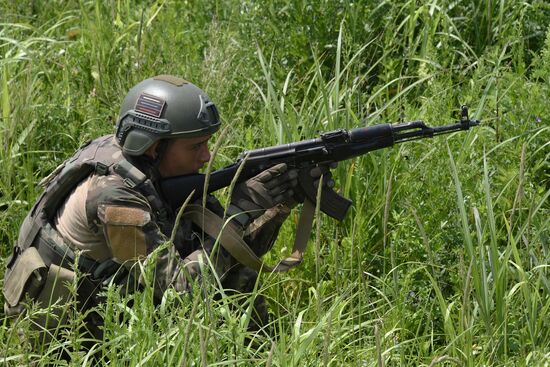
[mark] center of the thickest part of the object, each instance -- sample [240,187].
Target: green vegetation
[444,258]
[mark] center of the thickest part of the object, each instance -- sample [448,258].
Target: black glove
[325,171]
[315,173]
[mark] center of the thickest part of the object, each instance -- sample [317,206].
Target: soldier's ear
[151,152]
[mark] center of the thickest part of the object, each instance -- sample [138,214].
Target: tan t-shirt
[72,224]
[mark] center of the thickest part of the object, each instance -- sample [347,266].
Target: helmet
[164,107]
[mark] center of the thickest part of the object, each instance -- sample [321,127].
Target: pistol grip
[332,203]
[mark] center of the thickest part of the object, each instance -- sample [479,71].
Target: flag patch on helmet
[149,105]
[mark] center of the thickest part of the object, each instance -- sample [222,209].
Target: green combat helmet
[164,107]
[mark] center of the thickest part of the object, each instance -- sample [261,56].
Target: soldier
[101,210]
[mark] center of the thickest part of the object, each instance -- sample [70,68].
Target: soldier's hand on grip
[315,173]
[275,185]
[325,171]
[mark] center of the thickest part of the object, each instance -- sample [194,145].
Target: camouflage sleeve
[204,250]
[262,233]
[133,233]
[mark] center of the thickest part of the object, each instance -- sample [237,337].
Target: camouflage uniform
[112,222]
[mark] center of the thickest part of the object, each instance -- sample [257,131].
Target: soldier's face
[185,156]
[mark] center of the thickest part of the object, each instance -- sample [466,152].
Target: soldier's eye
[198,146]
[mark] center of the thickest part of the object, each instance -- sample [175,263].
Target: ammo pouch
[43,271]
[55,291]
[26,276]
[30,277]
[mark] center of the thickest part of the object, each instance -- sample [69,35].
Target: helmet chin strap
[150,164]
[160,151]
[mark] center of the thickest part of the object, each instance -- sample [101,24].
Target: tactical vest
[38,236]
[40,248]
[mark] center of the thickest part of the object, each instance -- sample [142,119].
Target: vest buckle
[129,182]
[101,168]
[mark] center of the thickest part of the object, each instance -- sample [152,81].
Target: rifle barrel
[418,130]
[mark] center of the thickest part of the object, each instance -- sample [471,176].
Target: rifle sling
[232,240]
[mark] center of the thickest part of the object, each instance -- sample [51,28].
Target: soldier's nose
[205,155]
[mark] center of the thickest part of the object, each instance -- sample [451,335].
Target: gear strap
[232,240]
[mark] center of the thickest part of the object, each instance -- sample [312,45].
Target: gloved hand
[271,187]
[315,173]
[262,232]
[325,171]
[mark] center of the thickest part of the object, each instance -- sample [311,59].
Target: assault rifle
[330,147]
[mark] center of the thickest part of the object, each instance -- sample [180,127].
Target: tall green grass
[443,258]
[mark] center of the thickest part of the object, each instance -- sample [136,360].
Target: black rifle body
[330,147]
